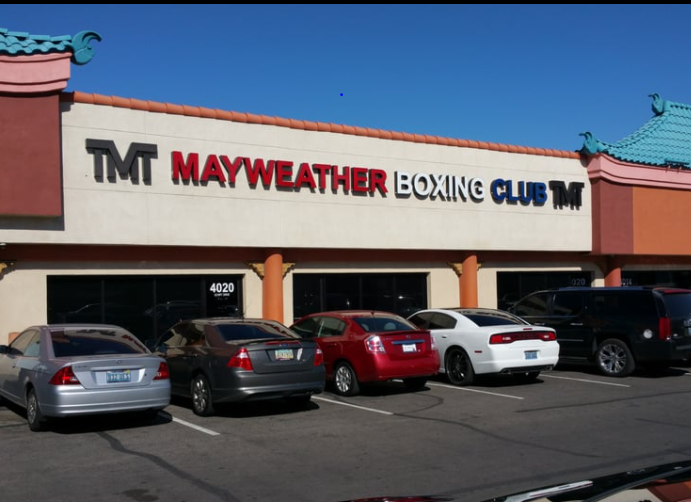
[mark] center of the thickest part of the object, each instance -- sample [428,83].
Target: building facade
[141,213]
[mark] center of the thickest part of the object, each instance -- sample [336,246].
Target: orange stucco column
[613,272]
[468,280]
[272,287]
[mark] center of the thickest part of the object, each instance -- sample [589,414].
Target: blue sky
[517,74]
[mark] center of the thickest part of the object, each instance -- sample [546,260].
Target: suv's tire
[614,358]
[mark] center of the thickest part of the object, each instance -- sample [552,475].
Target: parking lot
[467,443]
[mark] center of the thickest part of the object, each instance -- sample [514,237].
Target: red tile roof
[212,113]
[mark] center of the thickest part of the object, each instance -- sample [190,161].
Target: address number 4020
[222,287]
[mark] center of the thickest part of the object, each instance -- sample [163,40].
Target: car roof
[356,313]
[230,320]
[78,325]
[661,289]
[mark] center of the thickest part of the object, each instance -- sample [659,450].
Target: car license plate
[531,354]
[284,354]
[409,347]
[118,376]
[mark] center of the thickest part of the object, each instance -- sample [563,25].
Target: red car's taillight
[374,345]
[162,373]
[318,357]
[665,329]
[65,376]
[241,360]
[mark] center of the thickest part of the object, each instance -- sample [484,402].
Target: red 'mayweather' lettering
[304,177]
[359,179]
[233,167]
[340,178]
[185,169]
[377,179]
[323,170]
[212,169]
[284,169]
[266,172]
[281,173]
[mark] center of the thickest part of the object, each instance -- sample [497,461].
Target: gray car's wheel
[36,420]
[345,380]
[613,358]
[202,403]
[459,369]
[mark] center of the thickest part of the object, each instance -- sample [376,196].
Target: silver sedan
[66,370]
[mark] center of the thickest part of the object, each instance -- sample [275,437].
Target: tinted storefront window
[512,286]
[402,294]
[670,278]
[144,305]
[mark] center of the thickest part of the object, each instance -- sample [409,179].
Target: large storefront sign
[318,177]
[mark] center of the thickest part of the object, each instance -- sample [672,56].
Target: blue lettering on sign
[525,192]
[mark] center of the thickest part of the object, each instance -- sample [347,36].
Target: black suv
[615,328]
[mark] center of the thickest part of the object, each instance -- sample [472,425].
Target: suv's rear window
[678,304]
[624,303]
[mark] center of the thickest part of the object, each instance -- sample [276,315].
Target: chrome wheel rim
[612,358]
[344,379]
[32,408]
[200,394]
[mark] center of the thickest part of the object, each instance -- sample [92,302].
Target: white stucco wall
[165,213]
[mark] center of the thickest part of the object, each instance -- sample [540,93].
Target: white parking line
[585,380]
[200,429]
[473,390]
[352,405]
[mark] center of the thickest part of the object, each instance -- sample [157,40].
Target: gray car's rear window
[94,342]
[237,331]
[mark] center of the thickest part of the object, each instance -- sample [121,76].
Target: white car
[480,341]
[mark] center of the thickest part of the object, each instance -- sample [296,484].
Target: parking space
[490,397]
[382,436]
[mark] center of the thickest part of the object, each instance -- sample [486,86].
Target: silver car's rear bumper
[68,400]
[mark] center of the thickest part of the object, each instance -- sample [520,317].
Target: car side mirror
[4,349]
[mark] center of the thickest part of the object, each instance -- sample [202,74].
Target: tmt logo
[127,167]
[567,196]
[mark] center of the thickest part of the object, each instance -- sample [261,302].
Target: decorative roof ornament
[659,104]
[82,51]
[664,141]
[15,43]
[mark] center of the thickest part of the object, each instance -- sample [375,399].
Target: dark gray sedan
[223,360]
[66,370]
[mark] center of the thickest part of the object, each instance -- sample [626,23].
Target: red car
[370,346]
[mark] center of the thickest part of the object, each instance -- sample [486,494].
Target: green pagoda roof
[15,43]
[665,140]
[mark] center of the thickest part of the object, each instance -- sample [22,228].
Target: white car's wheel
[459,369]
